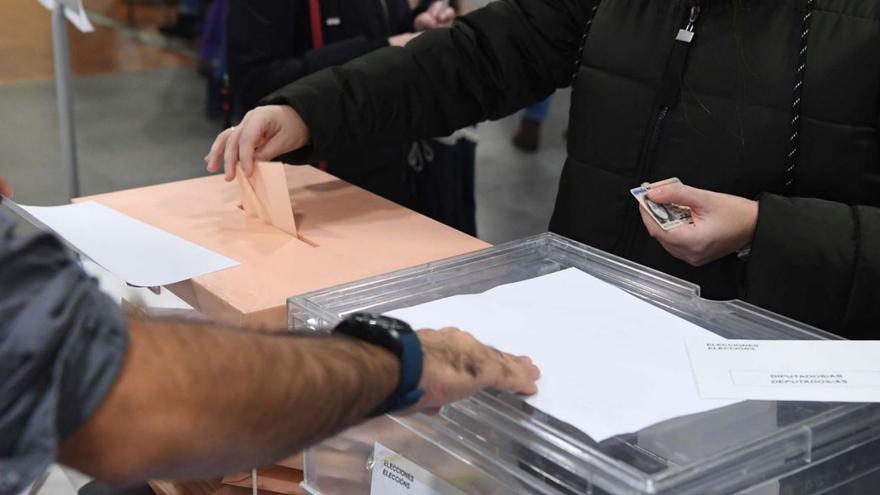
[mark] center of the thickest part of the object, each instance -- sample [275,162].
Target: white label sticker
[844,378]
[794,370]
[394,474]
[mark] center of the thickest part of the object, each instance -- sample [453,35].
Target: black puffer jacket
[730,110]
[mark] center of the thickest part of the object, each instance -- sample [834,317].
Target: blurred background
[147,107]
[146,110]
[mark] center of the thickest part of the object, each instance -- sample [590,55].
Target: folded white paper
[136,252]
[611,362]
[797,370]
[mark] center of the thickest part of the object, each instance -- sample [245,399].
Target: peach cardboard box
[344,233]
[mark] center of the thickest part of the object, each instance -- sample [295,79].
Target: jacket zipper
[646,158]
[651,145]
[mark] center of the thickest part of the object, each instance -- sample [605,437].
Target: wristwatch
[397,337]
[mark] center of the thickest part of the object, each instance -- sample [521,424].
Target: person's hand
[439,14]
[5,189]
[263,134]
[456,366]
[723,224]
[402,39]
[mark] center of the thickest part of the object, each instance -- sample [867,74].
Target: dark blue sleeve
[62,345]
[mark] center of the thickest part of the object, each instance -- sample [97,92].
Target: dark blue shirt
[62,344]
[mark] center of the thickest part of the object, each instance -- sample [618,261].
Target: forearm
[198,401]
[489,64]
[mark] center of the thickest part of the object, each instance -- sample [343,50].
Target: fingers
[687,243]
[679,194]
[439,14]
[215,154]
[248,142]
[425,22]
[471,366]
[502,371]
[436,8]
[269,150]
[230,156]
[654,230]
[446,16]
[265,133]
[679,237]
[225,151]
[518,374]
[681,242]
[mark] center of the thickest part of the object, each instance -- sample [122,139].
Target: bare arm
[195,401]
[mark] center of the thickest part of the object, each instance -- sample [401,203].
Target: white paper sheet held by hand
[798,370]
[611,363]
[136,252]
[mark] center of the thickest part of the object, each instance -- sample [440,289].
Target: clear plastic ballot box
[496,443]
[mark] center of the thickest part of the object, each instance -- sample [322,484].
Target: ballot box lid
[725,450]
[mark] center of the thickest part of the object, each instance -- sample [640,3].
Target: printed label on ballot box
[394,474]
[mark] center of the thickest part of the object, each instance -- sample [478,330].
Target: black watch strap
[397,337]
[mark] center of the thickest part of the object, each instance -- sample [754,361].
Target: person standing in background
[272,43]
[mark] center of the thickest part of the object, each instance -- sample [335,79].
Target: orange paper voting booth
[343,234]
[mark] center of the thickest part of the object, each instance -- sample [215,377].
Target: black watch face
[373,319]
[375,329]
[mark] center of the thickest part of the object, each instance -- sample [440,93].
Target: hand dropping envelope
[265,195]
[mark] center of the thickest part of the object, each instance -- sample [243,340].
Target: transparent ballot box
[496,443]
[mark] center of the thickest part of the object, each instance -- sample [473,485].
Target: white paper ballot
[136,252]
[798,370]
[611,363]
[74,12]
